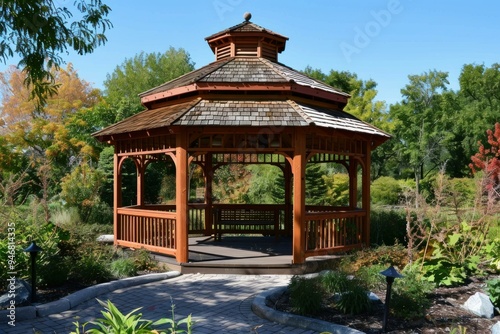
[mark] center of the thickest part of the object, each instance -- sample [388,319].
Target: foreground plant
[493,289]
[450,240]
[115,322]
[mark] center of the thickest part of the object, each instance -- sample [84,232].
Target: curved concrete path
[218,304]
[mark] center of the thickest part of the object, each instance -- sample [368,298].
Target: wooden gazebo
[245,107]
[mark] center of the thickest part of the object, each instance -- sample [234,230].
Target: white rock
[106,238]
[495,329]
[480,304]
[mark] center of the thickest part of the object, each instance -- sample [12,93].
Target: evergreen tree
[315,185]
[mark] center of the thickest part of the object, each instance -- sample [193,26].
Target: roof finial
[247,16]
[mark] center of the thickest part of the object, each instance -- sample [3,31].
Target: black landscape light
[33,249]
[390,275]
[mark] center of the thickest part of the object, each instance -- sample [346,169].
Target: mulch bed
[443,316]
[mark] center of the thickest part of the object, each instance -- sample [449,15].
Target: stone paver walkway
[218,304]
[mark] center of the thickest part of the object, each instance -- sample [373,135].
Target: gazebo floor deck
[246,255]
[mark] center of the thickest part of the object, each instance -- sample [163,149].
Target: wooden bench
[246,221]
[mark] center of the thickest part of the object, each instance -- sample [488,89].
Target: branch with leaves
[39,31]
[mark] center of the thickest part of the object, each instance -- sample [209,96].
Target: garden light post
[33,249]
[390,275]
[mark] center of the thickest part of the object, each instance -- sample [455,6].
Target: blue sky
[383,40]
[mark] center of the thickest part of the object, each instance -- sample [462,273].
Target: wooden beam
[141,170]
[353,183]
[181,199]
[117,193]
[366,195]
[287,173]
[299,202]
[209,172]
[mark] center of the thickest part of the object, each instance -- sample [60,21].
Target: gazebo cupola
[247,39]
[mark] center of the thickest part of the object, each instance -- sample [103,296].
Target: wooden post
[209,175]
[141,170]
[117,194]
[288,199]
[366,194]
[353,183]
[299,202]
[181,199]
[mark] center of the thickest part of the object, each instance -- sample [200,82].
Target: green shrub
[493,289]
[143,260]
[101,213]
[91,269]
[385,191]
[370,276]
[384,255]
[306,295]
[54,272]
[124,267]
[387,226]
[354,300]
[334,282]
[410,294]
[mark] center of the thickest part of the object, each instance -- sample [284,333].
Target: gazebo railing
[153,227]
[334,231]
[150,229]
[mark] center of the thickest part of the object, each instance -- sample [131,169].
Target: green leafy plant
[491,251]
[123,267]
[454,258]
[306,295]
[410,294]
[115,322]
[449,239]
[493,289]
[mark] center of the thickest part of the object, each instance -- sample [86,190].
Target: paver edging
[81,296]
[260,308]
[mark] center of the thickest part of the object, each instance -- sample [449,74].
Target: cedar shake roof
[258,113]
[246,86]
[244,70]
[246,26]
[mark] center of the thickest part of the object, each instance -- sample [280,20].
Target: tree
[475,107]
[56,134]
[420,123]
[81,189]
[363,105]
[262,184]
[39,31]
[141,73]
[316,189]
[337,193]
[488,159]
